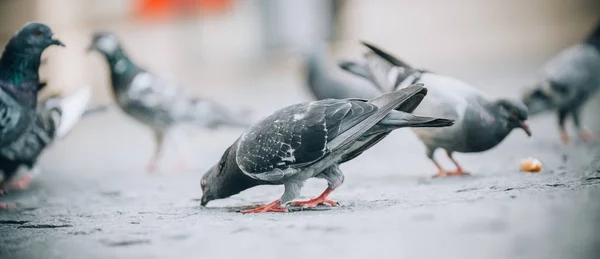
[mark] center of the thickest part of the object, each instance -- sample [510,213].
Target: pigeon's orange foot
[458,173]
[6,206]
[271,207]
[586,135]
[21,184]
[151,167]
[322,199]
[314,203]
[446,174]
[564,137]
[441,173]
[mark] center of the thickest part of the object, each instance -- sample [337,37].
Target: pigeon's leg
[179,144]
[564,136]
[292,190]
[159,138]
[459,170]
[334,178]
[441,171]
[584,134]
[2,204]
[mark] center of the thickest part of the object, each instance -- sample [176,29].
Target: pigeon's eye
[514,113]
[37,32]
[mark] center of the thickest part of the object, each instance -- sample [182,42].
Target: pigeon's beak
[203,201]
[55,41]
[525,127]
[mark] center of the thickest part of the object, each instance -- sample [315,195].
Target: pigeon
[19,78]
[331,82]
[55,118]
[309,140]
[567,82]
[154,100]
[480,122]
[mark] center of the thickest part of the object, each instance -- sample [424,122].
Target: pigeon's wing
[155,100]
[297,136]
[32,142]
[15,117]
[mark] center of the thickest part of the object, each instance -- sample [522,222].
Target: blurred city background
[246,54]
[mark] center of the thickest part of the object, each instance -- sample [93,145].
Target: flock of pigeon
[358,105]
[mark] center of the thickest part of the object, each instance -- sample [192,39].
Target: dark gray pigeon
[480,122]
[155,101]
[55,118]
[309,140]
[568,80]
[19,79]
[327,81]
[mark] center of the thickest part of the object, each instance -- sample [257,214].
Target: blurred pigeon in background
[310,140]
[568,80]
[155,101]
[55,118]
[327,81]
[480,123]
[19,79]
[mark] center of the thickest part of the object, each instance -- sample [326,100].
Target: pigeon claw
[322,199]
[6,205]
[314,203]
[564,137]
[586,135]
[446,174]
[21,184]
[271,207]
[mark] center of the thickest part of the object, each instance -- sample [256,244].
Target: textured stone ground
[94,199]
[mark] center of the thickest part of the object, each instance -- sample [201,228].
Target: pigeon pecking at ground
[310,140]
[480,123]
[55,118]
[568,80]
[19,78]
[325,81]
[155,101]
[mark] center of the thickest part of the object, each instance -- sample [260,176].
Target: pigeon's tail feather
[71,108]
[388,57]
[96,110]
[398,119]
[594,37]
[386,103]
[354,67]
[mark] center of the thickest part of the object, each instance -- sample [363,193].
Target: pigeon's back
[576,68]
[331,82]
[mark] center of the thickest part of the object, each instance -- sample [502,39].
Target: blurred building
[213,38]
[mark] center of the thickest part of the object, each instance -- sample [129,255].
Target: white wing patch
[298,116]
[108,43]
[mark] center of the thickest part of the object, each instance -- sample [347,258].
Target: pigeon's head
[105,42]
[33,38]
[515,112]
[225,179]
[540,98]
